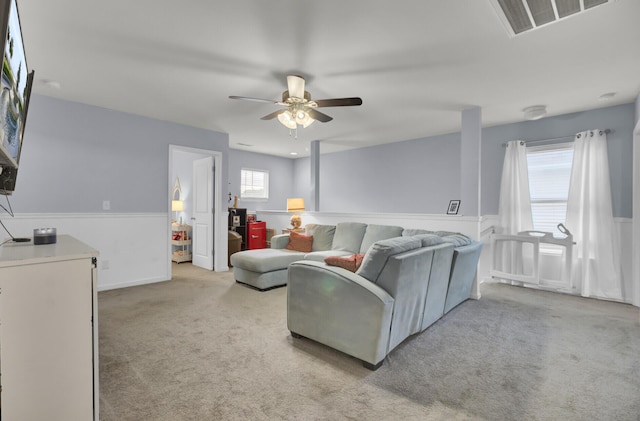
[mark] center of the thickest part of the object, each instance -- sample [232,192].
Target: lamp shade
[287,120]
[295,204]
[177,205]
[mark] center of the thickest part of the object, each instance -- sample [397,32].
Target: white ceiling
[415,63]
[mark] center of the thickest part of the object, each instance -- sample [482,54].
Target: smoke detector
[535,112]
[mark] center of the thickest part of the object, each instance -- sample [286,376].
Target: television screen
[14,96]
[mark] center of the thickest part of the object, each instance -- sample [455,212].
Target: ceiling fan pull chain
[291,133]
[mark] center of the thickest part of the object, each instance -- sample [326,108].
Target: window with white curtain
[254,184]
[549,173]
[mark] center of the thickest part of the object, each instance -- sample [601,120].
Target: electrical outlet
[106,205]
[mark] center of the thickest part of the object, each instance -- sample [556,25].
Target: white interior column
[470,173]
[635,273]
[470,162]
[314,194]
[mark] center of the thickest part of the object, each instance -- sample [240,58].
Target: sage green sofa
[264,269]
[404,285]
[399,290]
[408,279]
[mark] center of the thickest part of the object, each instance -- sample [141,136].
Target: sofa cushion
[264,260]
[350,263]
[377,255]
[349,236]
[319,256]
[375,233]
[408,232]
[454,238]
[444,233]
[300,242]
[457,239]
[322,236]
[429,239]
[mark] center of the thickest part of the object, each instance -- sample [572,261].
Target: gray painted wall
[620,148]
[75,156]
[637,109]
[417,176]
[280,179]
[422,175]
[302,178]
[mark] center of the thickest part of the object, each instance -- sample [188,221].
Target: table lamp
[294,205]
[177,206]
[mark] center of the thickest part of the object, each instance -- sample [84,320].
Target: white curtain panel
[515,206]
[515,202]
[596,269]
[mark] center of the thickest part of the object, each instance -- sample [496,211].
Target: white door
[203,217]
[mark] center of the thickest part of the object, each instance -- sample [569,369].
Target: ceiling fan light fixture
[305,120]
[287,120]
[300,109]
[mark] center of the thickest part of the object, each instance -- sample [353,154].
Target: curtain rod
[529,142]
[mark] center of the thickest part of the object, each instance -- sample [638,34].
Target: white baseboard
[131,284]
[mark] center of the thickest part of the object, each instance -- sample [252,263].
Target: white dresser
[49,331]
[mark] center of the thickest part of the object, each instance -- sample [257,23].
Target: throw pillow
[350,263]
[300,242]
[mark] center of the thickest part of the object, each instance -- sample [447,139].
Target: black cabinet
[238,223]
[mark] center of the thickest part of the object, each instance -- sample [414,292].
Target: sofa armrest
[463,271]
[279,241]
[340,309]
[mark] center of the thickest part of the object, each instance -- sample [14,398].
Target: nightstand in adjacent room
[180,242]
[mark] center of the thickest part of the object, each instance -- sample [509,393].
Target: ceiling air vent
[524,15]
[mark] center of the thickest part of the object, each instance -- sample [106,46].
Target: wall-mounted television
[14,96]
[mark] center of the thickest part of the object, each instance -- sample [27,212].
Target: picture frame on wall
[454,205]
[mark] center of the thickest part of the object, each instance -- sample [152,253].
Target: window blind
[254,184]
[549,169]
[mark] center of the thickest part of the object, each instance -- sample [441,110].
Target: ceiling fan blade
[338,102]
[273,115]
[247,98]
[295,85]
[317,115]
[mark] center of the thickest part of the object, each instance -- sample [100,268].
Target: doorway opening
[200,220]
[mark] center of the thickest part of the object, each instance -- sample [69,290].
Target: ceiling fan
[300,108]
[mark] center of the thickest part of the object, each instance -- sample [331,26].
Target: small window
[549,173]
[254,184]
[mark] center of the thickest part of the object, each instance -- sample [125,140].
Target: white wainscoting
[133,247]
[464,224]
[625,237]
[479,228]
[468,225]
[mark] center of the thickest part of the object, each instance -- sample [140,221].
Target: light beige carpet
[202,347]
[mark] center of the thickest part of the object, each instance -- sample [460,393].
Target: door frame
[220,246]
